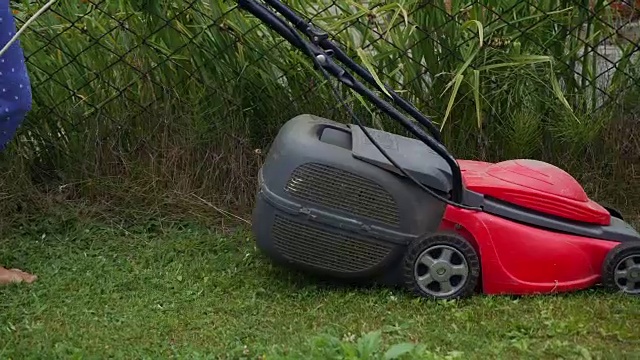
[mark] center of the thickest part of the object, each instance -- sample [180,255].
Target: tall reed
[141,103]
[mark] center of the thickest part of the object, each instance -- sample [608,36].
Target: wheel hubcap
[627,274]
[441,270]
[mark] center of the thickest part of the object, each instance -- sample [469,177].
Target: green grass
[185,291]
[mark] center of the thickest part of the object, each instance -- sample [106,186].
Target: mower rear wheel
[441,266]
[621,269]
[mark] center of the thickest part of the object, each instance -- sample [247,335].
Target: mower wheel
[441,266]
[621,269]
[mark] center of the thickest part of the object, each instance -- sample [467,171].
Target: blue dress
[15,88]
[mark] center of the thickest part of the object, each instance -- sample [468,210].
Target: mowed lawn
[186,291]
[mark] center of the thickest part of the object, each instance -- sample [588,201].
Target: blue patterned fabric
[15,87]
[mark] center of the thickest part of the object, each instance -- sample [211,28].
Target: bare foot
[15,276]
[29,278]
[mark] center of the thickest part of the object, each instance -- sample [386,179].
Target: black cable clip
[316,35]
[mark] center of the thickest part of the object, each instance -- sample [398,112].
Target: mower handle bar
[323,49]
[322,40]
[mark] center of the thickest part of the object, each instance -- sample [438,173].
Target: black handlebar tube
[267,17]
[321,38]
[323,59]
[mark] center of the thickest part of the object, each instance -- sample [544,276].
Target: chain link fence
[128,77]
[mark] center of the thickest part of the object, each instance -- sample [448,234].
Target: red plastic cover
[535,185]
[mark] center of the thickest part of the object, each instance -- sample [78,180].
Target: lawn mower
[356,203]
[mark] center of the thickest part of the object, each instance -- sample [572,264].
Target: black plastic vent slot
[332,251]
[342,190]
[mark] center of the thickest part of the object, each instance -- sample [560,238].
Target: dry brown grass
[184,181]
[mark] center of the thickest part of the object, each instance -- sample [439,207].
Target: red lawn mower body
[520,259]
[327,201]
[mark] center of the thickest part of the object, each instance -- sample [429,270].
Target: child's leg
[15,102]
